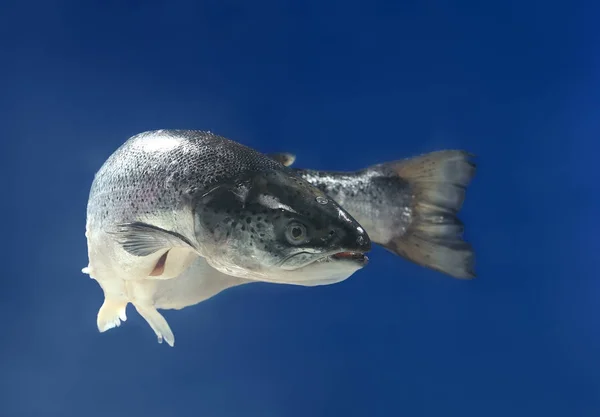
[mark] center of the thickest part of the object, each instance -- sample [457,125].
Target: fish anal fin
[142,239]
[111,314]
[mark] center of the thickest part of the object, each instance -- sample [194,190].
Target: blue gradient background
[343,85]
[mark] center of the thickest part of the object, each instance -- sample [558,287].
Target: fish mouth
[358,257]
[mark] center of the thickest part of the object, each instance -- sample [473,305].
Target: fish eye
[295,233]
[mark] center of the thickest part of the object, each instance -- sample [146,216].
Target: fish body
[408,206]
[176,216]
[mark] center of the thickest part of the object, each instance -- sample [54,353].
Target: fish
[409,206]
[177,216]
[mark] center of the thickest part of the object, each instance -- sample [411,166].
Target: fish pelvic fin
[111,314]
[438,182]
[157,322]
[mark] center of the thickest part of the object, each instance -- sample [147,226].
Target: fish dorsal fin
[284,158]
[142,239]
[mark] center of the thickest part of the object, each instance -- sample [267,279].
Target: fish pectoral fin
[284,158]
[142,239]
[157,322]
[111,314]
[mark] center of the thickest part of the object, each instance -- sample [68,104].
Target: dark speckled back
[153,171]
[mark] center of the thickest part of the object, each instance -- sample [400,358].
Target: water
[342,85]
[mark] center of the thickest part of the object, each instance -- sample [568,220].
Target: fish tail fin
[157,322]
[433,239]
[111,314]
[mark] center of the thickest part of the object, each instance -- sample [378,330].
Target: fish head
[276,227]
